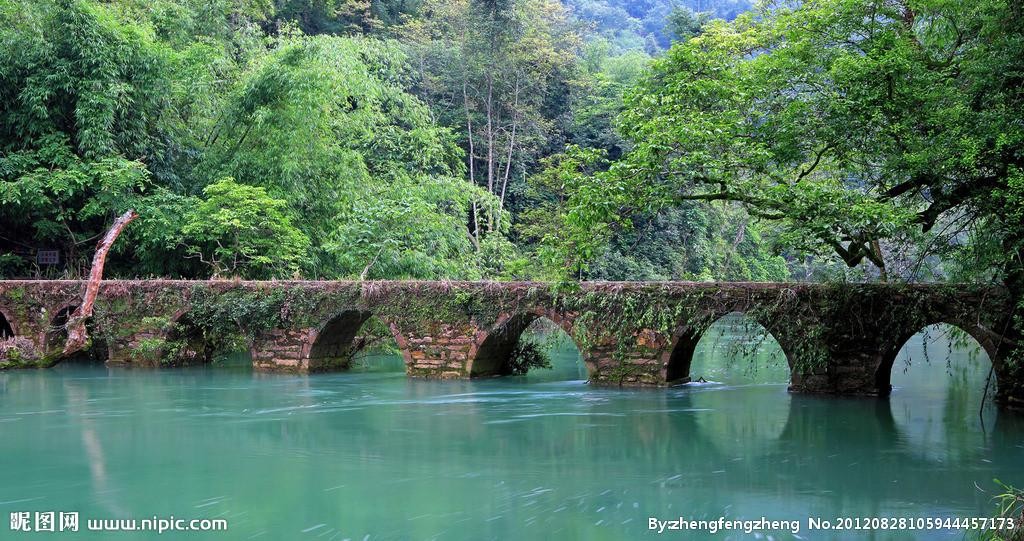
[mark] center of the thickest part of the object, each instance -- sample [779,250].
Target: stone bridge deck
[837,338]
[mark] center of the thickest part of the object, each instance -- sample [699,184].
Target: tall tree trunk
[876,247]
[475,236]
[490,141]
[469,134]
[78,335]
[511,148]
[490,133]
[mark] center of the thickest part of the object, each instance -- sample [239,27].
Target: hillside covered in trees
[330,139]
[512,139]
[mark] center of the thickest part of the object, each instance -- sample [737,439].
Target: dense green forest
[335,138]
[514,139]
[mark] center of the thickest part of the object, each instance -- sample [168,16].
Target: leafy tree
[692,241]
[343,17]
[411,228]
[325,124]
[498,71]
[81,99]
[853,122]
[68,67]
[144,104]
[881,134]
[683,23]
[597,97]
[857,127]
[53,198]
[239,230]
[328,16]
[650,25]
[527,354]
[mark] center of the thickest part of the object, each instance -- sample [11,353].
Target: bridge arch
[186,342]
[492,349]
[985,339]
[7,328]
[56,334]
[678,357]
[57,328]
[941,378]
[334,344]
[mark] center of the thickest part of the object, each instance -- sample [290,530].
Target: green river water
[371,454]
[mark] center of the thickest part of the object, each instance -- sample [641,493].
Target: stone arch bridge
[837,338]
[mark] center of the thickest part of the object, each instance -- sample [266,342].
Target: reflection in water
[373,453]
[566,362]
[737,350]
[938,383]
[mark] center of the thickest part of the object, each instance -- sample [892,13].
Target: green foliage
[240,231]
[60,200]
[1010,505]
[691,242]
[526,355]
[427,142]
[684,24]
[374,338]
[649,25]
[169,98]
[71,68]
[327,16]
[598,101]
[344,16]
[80,96]
[325,124]
[849,123]
[498,73]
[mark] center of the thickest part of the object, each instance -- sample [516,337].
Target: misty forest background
[514,139]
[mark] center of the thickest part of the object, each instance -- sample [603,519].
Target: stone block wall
[441,350]
[283,350]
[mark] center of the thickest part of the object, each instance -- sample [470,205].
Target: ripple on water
[512,458]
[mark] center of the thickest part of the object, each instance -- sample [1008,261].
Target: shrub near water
[526,355]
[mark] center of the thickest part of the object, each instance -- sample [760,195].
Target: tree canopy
[856,126]
[583,139]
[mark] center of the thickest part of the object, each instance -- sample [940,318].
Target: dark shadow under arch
[883,374]
[57,332]
[6,327]
[375,348]
[187,344]
[686,339]
[57,335]
[344,338]
[492,356]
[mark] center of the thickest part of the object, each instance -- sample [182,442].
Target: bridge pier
[852,376]
[430,349]
[283,350]
[840,365]
[641,363]
[437,350]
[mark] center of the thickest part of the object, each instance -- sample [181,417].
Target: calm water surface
[370,454]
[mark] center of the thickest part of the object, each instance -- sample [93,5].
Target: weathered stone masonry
[838,339]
